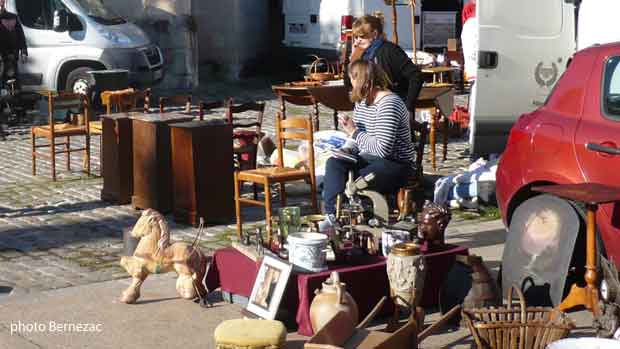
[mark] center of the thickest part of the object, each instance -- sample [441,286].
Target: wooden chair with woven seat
[119,101]
[71,102]
[410,198]
[297,128]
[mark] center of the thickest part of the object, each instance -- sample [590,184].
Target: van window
[38,14]
[611,89]
[96,10]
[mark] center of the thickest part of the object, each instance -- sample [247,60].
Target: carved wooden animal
[155,254]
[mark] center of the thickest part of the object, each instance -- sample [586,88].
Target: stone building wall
[229,33]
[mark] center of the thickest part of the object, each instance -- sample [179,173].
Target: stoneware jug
[329,300]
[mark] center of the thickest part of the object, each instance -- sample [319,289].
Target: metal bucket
[129,243]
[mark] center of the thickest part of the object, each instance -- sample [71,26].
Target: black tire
[79,81]
[538,251]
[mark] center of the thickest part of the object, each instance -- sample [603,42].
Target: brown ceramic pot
[329,300]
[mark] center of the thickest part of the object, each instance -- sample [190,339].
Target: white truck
[524,47]
[315,26]
[68,38]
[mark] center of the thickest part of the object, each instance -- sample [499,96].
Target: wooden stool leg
[444,127]
[34,156]
[433,138]
[237,204]
[268,211]
[53,152]
[587,296]
[68,149]
[315,205]
[87,154]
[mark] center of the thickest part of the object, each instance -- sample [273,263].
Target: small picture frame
[269,287]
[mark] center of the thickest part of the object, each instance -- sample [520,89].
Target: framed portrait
[269,287]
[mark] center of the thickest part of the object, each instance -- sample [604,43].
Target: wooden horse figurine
[155,254]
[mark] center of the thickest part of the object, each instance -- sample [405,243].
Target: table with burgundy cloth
[235,273]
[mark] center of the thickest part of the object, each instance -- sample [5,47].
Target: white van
[315,26]
[68,38]
[524,47]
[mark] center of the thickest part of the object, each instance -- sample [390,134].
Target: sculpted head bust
[432,222]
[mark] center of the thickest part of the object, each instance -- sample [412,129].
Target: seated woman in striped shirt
[380,128]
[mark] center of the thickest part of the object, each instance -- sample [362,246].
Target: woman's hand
[347,124]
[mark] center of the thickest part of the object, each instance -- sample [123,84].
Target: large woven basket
[516,326]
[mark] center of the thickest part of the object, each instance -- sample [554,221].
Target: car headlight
[116,37]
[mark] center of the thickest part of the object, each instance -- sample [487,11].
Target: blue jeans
[389,176]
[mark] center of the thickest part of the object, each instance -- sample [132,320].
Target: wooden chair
[247,132]
[119,101]
[279,174]
[304,99]
[182,103]
[53,130]
[410,198]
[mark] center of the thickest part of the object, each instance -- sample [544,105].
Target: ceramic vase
[307,251]
[406,271]
[329,300]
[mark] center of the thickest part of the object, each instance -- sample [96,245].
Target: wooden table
[117,155]
[202,168]
[438,73]
[152,173]
[591,194]
[427,99]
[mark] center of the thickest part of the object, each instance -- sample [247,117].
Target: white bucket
[585,343]
[307,251]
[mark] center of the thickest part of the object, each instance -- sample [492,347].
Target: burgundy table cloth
[235,273]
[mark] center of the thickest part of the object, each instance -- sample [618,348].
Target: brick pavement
[60,234]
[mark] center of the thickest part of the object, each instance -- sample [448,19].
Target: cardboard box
[453,44]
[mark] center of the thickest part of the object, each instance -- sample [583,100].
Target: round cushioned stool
[250,334]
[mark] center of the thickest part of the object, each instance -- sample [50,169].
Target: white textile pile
[461,190]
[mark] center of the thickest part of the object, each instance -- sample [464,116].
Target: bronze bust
[432,223]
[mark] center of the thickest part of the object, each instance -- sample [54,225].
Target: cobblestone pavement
[60,234]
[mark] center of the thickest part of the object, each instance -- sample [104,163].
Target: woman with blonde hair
[382,134]
[370,45]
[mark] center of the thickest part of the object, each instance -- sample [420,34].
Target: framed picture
[269,287]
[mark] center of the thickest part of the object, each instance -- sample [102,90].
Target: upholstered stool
[250,334]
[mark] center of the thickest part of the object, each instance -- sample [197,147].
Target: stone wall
[232,33]
[229,33]
[170,24]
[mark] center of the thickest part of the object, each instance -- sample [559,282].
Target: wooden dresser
[152,166]
[202,163]
[118,158]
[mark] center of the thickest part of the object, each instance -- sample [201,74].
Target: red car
[573,138]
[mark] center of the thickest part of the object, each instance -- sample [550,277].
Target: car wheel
[539,248]
[79,80]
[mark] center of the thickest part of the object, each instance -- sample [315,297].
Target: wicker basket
[315,75]
[516,326]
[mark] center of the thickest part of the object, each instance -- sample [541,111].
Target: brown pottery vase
[329,300]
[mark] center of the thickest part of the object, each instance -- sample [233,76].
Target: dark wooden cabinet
[117,156]
[202,163]
[152,172]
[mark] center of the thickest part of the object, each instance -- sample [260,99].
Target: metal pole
[413,38]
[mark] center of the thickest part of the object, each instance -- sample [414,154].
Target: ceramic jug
[329,300]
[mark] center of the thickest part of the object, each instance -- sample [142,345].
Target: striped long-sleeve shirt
[383,129]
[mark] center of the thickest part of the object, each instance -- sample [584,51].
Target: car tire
[79,80]
[539,248]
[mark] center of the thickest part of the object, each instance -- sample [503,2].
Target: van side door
[45,46]
[597,142]
[523,49]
